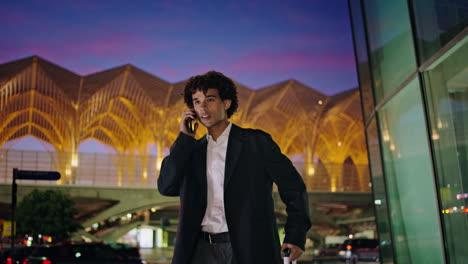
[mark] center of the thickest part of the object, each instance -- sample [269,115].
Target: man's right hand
[186,115]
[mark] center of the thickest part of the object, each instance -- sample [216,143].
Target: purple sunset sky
[257,43]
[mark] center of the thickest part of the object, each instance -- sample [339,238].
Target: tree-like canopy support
[130,111]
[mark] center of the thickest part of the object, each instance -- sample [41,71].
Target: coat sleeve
[292,191]
[174,166]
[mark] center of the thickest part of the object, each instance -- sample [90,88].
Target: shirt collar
[223,135]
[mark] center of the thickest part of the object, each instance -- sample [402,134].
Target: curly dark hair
[212,80]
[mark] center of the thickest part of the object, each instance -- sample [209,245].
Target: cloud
[114,44]
[169,72]
[105,47]
[50,53]
[298,18]
[90,69]
[290,61]
[16,18]
[300,41]
[202,69]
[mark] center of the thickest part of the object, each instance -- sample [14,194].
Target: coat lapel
[233,152]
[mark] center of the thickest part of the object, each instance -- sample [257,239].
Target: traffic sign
[36,175]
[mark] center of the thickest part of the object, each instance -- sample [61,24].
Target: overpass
[100,203]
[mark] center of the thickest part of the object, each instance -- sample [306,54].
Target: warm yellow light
[392,147]
[320,102]
[74,161]
[386,137]
[311,171]
[435,136]
[153,209]
[439,124]
[145,174]
[158,163]
[68,171]
[339,144]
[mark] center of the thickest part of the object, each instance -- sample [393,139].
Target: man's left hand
[296,251]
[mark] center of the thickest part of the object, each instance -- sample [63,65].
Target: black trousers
[218,253]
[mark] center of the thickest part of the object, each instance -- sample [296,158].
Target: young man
[225,182]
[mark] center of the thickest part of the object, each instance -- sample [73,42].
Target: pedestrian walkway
[164,256]
[157,255]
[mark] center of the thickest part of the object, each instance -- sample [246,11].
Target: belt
[215,238]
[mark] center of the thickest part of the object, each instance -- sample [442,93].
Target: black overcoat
[253,163]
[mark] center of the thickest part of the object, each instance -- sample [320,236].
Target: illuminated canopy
[130,110]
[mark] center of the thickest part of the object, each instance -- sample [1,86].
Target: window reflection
[409,179]
[446,83]
[438,22]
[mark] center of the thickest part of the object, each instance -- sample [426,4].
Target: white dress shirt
[214,220]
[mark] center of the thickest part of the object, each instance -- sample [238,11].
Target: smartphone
[189,124]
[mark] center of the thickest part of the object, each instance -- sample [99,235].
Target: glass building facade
[412,59]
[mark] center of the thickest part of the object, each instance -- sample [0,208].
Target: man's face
[210,109]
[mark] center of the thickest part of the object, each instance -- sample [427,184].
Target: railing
[129,170]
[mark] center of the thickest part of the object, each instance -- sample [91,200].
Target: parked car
[19,255]
[330,250]
[80,253]
[126,251]
[354,250]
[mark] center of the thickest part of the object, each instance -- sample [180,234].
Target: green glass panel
[391,45]
[409,179]
[437,22]
[362,59]
[446,86]
[378,187]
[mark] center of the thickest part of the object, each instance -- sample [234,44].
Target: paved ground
[163,256]
[156,255]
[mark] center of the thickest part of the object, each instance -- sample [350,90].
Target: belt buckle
[209,238]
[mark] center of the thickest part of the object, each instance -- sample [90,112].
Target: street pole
[26,175]
[14,189]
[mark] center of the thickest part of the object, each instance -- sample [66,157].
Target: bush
[47,213]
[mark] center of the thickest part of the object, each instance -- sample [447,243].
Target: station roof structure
[130,111]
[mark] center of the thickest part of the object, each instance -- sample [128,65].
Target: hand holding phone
[188,124]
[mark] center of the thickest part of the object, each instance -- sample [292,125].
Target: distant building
[412,59]
[130,112]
